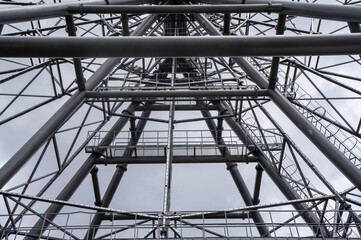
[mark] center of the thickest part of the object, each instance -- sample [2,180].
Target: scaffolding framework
[180,92]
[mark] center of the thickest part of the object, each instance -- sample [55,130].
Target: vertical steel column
[236,175]
[319,140]
[117,176]
[169,159]
[280,29]
[71,29]
[125,26]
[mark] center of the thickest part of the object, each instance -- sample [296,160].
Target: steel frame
[183,65]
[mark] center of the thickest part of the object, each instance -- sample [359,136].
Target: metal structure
[236,119]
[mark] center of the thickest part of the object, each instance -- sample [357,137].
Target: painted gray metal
[62,115]
[324,11]
[177,159]
[20,14]
[319,140]
[223,8]
[180,46]
[176,93]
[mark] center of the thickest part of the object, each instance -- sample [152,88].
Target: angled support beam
[63,114]
[317,138]
[266,164]
[40,226]
[84,170]
[117,176]
[236,175]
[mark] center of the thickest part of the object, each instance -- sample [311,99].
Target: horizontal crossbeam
[221,46]
[224,8]
[323,11]
[177,159]
[176,93]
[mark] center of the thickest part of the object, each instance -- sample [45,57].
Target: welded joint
[231,165]
[123,167]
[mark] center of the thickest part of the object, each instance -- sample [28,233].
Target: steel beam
[317,138]
[178,107]
[117,176]
[266,164]
[176,93]
[40,226]
[12,166]
[324,11]
[335,12]
[276,60]
[71,29]
[240,215]
[225,46]
[236,175]
[168,9]
[177,159]
[30,13]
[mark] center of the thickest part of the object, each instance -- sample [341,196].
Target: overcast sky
[195,187]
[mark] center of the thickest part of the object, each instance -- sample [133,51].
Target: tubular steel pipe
[117,177]
[40,226]
[176,159]
[241,215]
[12,166]
[236,175]
[343,13]
[176,93]
[319,140]
[30,13]
[84,170]
[219,46]
[168,9]
[267,165]
[257,185]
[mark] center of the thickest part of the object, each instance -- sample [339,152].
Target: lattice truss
[179,133]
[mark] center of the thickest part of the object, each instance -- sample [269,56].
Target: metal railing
[185,143]
[223,224]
